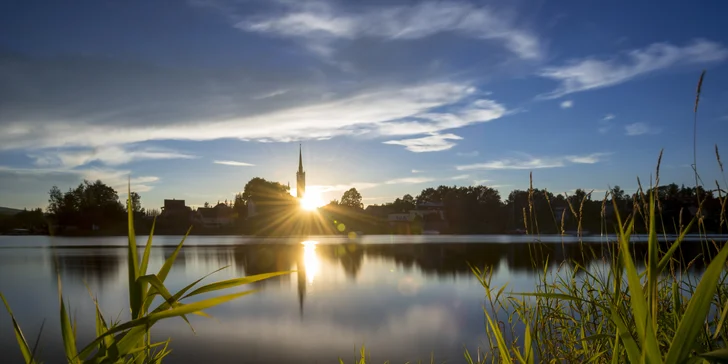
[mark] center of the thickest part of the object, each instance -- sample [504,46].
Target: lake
[404,297]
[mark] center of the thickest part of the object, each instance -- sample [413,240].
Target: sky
[191,99]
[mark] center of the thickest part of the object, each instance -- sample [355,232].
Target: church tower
[300,176]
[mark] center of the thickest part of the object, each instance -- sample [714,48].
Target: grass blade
[22,343]
[197,306]
[652,271]
[630,345]
[164,271]
[671,251]
[722,320]
[166,267]
[132,259]
[145,262]
[234,283]
[177,296]
[716,356]
[67,330]
[147,250]
[697,310]
[528,345]
[502,348]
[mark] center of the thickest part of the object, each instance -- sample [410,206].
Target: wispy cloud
[270,94]
[319,24]
[535,163]
[409,181]
[473,153]
[592,73]
[479,111]
[605,124]
[117,179]
[432,143]
[234,163]
[416,171]
[479,182]
[640,129]
[459,177]
[566,104]
[110,155]
[368,111]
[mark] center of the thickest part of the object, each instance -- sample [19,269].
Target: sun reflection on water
[310,260]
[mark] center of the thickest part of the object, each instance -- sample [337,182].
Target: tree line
[465,210]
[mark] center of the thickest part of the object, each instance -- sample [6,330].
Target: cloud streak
[592,73]
[432,143]
[234,163]
[640,129]
[110,155]
[320,25]
[535,163]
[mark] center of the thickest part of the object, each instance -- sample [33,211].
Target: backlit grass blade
[528,345]
[145,260]
[671,251]
[722,321]
[158,286]
[129,325]
[197,306]
[101,325]
[177,296]
[234,283]
[527,356]
[637,300]
[22,343]
[502,348]
[170,301]
[167,266]
[625,338]
[697,310]
[67,331]
[135,299]
[652,271]
[716,356]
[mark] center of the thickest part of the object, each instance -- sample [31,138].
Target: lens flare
[311,201]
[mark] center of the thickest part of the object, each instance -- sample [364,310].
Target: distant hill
[8,211]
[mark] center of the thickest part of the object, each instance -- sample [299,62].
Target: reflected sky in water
[403,301]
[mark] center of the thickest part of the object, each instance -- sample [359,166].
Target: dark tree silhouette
[351,198]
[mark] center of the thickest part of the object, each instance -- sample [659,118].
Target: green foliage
[577,315]
[131,341]
[351,198]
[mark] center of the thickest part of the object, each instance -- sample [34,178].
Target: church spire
[300,159]
[300,176]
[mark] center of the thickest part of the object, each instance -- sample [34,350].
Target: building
[175,209]
[300,176]
[215,217]
[431,215]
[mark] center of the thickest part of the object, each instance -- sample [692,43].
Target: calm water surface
[403,297]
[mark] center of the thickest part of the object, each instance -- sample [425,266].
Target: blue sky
[194,98]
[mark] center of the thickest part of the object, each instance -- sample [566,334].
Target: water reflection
[401,300]
[310,260]
[440,260]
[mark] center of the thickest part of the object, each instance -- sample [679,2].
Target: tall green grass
[615,312]
[131,341]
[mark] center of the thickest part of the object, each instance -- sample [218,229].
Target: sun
[311,201]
